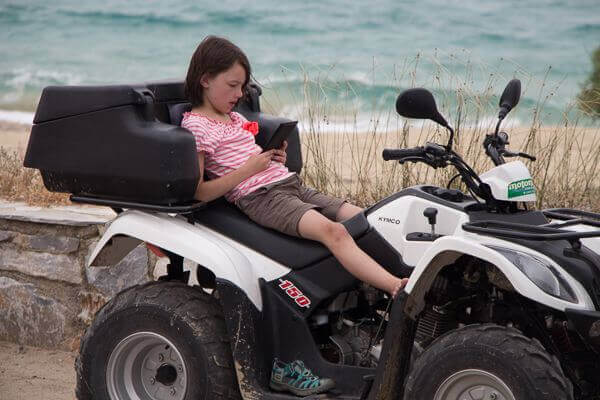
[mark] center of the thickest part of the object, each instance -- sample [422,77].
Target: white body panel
[405,215]
[510,182]
[227,259]
[243,266]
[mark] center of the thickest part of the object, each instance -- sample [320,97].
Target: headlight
[543,274]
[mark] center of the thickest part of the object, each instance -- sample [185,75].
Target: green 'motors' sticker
[521,188]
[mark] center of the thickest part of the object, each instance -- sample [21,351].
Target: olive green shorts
[281,204]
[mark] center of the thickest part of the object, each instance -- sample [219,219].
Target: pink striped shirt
[226,147]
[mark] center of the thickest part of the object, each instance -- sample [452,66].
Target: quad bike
[502,301]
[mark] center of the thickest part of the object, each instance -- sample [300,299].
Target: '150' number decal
[295,293]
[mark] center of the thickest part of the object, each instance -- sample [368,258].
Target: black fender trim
[395,355]
[256,336]
[587,325]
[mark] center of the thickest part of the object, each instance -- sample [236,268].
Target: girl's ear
[205,81]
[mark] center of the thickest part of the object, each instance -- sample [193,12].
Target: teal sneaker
[297,379]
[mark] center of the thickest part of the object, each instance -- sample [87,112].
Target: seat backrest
[268,125]
[176,112]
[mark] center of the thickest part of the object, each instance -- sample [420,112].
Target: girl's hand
[258,162]
[280,155]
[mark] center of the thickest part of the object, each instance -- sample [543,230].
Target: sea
[341,57]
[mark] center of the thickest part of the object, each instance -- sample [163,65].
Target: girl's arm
[215,188]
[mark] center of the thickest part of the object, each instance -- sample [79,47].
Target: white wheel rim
[146,366]
[473,384]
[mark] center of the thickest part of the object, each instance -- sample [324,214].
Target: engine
[350,329]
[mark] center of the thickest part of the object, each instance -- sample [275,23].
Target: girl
[258,182]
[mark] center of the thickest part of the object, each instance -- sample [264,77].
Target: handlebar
[397,154]
[438,156]
[507,153]
[495,147]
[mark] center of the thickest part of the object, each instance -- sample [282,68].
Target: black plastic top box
[119,142]
[106,142]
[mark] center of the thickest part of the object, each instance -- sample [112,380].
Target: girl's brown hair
[212,56]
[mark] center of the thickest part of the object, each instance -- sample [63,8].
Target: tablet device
[281,134]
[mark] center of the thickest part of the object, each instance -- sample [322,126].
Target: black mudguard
[395,354]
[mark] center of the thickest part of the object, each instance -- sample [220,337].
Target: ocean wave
[388,123]
[129,18]
[12,13]
[34,77]
[585,28]
[20,88]
[179,20]
[346,93]
[493,37]
[20,117]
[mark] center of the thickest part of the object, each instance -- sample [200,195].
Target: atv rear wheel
[161,340]
[487,362]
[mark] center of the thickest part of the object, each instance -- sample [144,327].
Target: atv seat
[228,220]
[294,253]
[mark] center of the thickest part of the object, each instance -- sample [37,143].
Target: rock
[6,235]
[132,270]
[29,318]
[48,243]
[58,267]
[90,304]
[64,216]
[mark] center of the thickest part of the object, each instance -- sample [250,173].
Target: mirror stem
[449,146]
[498,126]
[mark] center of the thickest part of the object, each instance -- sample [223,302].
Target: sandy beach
[28,373]
[14,135]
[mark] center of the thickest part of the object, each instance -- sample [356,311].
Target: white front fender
[448,249]
[225,258]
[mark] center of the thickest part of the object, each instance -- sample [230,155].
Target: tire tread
[198,309]
[543,368]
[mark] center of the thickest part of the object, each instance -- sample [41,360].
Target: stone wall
[47,296]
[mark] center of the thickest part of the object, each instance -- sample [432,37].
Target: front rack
[573,217]
[528,232]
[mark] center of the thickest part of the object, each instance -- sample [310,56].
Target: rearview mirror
[510,97]
[419,103]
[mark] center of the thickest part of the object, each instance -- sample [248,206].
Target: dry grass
[18,183]
[566,172]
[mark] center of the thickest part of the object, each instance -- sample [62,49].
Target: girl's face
[224,90]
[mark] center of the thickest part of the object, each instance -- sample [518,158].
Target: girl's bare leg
[347,211]
[336,238]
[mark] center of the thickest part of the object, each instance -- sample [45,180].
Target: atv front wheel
[161,340]
[487,362]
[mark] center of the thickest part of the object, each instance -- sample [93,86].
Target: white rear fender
[448,249]
[225,258]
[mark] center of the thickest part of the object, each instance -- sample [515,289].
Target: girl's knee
[335,233]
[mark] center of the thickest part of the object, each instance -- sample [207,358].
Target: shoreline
[15,134]
[327,123]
